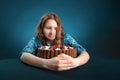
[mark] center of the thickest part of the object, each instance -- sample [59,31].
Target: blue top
[35,43]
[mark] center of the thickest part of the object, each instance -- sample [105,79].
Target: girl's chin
[51,38]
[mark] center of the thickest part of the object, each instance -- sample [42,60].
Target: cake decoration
[52,51]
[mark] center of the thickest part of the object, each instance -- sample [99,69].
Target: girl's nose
[52,31]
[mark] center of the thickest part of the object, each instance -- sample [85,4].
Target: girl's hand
[61,62]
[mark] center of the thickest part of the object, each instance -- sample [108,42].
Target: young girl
[50,32]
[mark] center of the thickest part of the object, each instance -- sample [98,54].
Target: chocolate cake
[52,51]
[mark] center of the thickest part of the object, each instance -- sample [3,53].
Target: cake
[52,51]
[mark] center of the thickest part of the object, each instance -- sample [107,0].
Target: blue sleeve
[68,40]
[32,46]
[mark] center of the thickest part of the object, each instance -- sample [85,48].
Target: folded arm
[60,63]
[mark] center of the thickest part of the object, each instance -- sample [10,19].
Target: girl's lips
[51,36]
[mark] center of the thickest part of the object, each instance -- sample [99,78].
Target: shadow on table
[102,69]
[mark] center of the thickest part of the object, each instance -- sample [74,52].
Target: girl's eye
[51,28]
[48,27]
[56,28]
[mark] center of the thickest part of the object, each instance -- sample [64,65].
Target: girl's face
[49,29]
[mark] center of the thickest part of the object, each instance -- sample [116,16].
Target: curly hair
[59,31]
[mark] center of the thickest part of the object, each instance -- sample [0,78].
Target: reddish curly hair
[59,31]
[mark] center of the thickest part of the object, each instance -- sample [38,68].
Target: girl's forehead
[51,22]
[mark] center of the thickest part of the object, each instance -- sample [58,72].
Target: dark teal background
[93,23]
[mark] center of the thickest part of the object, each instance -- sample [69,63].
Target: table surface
[14,69]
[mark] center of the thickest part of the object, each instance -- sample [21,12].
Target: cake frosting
[52,51]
